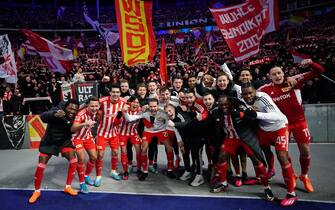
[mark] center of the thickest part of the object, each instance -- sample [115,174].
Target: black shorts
[54,149]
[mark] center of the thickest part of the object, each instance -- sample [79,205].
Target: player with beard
[192,82]
[179,120]
[199,112]
[57,139]
[211,150]
[238,133]
[272,130]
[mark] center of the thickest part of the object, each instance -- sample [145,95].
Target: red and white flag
[29,49]
[244,25]
[297,57]
[58,59]
[180,38]
[137,37]
[162,64]
[8,69]
[210,40]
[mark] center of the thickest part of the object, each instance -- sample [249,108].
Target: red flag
[57,58]
[172,54]
[162,64]
[297,57]
[137,38]
[180,38]
[244,25]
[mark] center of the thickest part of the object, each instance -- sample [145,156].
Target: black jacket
[215,126]
[182,120]
[229,91]
[245,128]
[58,132]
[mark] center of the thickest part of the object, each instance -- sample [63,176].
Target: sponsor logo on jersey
[282,97]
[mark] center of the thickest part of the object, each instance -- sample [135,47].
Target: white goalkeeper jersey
[269,115]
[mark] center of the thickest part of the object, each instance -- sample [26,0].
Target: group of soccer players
[229,120]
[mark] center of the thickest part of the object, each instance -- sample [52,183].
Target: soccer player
[237,134]
[84,140]
[288,99]
[245,76]
[165,99]
[272,131]
[199,111]
[108,130]
[152,89]
[128,132]
[179,119]
[141,92]
[177,86]
[159,120]
[211,150]
[126,92]
[192,82]
[57,139]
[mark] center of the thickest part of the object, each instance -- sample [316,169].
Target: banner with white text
[244,25]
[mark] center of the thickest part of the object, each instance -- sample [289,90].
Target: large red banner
[244,25]
[137,38]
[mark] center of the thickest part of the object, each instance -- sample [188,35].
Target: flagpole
[98,8]
[328,78]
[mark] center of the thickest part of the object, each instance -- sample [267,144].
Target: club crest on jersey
[286,89]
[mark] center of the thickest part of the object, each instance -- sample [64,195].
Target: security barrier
[321,122]
[22,132]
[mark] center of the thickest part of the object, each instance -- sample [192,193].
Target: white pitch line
[172,195]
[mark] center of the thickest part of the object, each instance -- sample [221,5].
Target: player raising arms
[288,99]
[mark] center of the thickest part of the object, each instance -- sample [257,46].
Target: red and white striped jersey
[108,128]
[86,131]
[231,132]
[129,128]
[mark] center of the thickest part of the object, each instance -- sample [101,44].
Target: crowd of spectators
[68,14]
[315,37]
